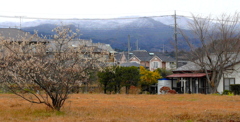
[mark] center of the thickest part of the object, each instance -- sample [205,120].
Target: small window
[151,54]
[228,82]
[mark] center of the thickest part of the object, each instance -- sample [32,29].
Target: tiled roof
[191,66]
[118,56]
[147,56]
[187,75]
[164,57]
[89,43]
[143,56]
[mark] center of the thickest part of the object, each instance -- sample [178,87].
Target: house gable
[155,58]
[155,63]
[135,59]
[145,58]
[121,58]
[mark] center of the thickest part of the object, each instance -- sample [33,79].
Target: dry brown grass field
[126,108]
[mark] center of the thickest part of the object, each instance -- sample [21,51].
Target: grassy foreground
[125,108]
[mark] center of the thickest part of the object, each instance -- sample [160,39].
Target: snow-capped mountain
[182,22]
[151,33]
[103,23]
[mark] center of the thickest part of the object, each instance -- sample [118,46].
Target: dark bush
[226,92]
[235,88]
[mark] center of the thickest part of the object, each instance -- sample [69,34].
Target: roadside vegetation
[113,79]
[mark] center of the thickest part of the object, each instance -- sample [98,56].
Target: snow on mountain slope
[103,23]
[182,22]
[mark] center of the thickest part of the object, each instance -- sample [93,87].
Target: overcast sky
[114,8]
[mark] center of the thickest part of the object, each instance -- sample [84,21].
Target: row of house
[186,79]
[16,35]
[150,60]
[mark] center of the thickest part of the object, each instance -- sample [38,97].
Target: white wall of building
[155,60]
[163,82]
[232,72]
[168,65]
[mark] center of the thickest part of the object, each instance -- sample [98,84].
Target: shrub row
[235,88]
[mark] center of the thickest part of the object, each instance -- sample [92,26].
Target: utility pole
[137,45]
[128,47]
[175,38]
[163,50]
[20,23]
[20,26]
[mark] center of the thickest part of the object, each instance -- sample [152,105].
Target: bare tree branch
[38,75]
[219,45]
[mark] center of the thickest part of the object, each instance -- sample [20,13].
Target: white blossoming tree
[45,73]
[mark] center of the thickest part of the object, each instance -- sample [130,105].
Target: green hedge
[235,88]
[226,92]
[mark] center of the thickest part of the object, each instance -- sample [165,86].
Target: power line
[43,18]
[92,14]
[115,18]
[211,19]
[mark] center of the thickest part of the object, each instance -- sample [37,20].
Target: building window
[155,64]
[227,82]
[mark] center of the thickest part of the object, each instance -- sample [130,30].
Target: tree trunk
[57,104]
[86,87]
[213,90]
[115,89]
[105,89]
[214,81]
[118,89]
[127,90]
